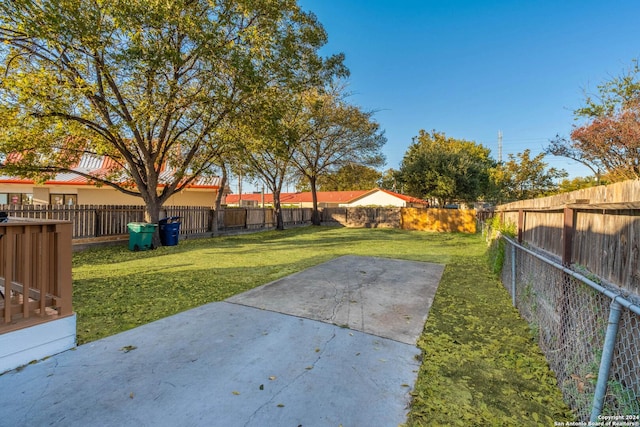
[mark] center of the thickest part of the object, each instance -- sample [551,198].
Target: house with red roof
[71,188]
[329,199]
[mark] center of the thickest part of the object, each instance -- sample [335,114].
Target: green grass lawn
[480,364]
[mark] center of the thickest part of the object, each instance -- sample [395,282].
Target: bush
[494,231]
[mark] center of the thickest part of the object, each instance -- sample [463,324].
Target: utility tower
[499,146]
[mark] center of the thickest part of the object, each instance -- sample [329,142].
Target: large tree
[524,177]
[567,185]
[348,177]
[445,169]
[332,134]
[608,140]
[391,179]
[270,142]
[150,84]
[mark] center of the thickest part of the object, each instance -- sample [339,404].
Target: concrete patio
[332,345]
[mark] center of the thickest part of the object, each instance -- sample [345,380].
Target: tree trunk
[278,210]
[218,202]
[315,215]
[152,216]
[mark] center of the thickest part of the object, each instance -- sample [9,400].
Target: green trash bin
[141,236]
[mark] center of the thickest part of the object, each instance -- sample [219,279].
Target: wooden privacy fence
[35,272]
[88,220]
[91,221]
[440,220]
[194,220]
[595,229]
[575,276]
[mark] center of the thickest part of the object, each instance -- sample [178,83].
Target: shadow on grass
[116,289]
[480,363]
[106,305]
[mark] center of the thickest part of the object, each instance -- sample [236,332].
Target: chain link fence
[570,315]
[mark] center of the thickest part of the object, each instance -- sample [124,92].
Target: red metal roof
[234,198]
[404,197]
[100,166]
[301,197]
[323,197]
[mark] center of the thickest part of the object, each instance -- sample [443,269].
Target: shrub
[494,231]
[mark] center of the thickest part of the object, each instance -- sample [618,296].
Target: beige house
[74,189]
[329,199]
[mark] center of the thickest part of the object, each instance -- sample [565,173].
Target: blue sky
[471,68]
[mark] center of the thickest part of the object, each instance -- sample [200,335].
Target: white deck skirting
[18,348]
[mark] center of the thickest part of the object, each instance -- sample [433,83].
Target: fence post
[567,236]
[605,361]
[97,225]
[212,223]
[218,223]
[521,215]
[513,274]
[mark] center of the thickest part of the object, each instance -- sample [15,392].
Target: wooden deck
[35,272]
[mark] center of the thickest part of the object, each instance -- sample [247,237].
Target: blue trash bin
[169,230]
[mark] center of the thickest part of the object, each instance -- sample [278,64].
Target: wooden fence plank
[602,235]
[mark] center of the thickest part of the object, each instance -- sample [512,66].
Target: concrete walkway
[333,345]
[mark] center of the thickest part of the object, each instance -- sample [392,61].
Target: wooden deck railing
[35,272]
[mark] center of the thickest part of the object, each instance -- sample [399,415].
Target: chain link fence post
[513,275]
[605,360]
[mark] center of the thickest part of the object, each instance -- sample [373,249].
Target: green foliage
[578,183]
[350,177]
[270,138]
[149,84]
[332,134]
[614,95]
[523,177]
[497,253]
[446,169]
[608,139]
[497,246]
[480,365]
[497,226]
[391,180]
[623,400]
[336,133]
